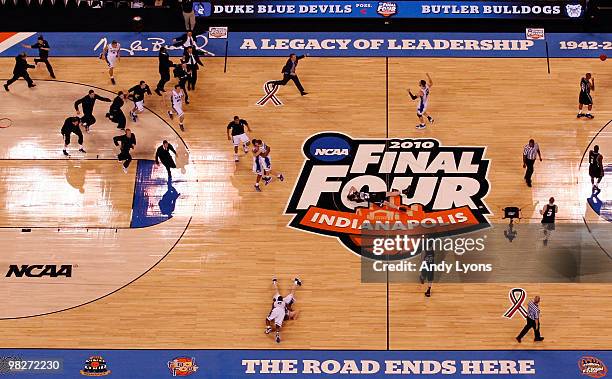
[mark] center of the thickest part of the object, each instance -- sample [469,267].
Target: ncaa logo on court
[413,187]
[330,149]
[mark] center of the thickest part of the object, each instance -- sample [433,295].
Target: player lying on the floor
[378,198]
[282,308]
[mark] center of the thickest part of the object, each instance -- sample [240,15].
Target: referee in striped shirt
[533,320]
[530,151]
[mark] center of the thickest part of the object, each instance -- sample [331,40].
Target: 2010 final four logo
[359,190]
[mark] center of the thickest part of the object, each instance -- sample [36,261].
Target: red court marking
[5,123]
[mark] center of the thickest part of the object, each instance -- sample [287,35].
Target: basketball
[603,57]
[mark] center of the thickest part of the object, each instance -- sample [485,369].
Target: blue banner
[387,9]
[236,364]
[327,44]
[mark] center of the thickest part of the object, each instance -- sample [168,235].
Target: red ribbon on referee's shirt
[270,89]
[517,297]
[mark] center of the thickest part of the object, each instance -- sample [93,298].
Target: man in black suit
[289,73]
[164,70]
[192,59]
[20,71]
[163,154]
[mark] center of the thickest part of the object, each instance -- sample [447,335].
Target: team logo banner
[363,190]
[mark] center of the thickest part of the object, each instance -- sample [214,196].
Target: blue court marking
[154,196]
[603,207]
[307,364]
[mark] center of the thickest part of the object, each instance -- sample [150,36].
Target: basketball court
[188,264]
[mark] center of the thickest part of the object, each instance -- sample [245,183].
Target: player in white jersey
[176,105]
[423,99]
[282,308]
[262,164]
[111,55]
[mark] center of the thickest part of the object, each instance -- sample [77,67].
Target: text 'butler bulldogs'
[414,187]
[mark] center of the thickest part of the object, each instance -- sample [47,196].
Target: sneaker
[430,119]
[274,280]
[281,177]
[428,293]
[82,150]
[182,127]
[113,81]
[133,115]
[158,92]
[538,339]
[278,338]
[65,153]
[303,93]
[31,85]
[267,180]
[579,115]
[589,116]
[52,76]
[297,282]
[518,340]
[420,126]
[268,329]
[236,159]
[171,115]
[6,87]
[257,188]
[125,169]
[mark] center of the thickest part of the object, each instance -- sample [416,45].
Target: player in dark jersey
[548,213]
[72,125]
[379,198]
[88,102]
[126,143]
[596,169]
[137,94]
[115,113]
[427,272]
[587,84]
[238,135]
[43,53]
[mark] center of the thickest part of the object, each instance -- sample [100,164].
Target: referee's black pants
[530,324]
[529,172]
[287,78]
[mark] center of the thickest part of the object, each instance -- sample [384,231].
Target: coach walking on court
[21,71]
[289,73]
[530,151]
[533,320]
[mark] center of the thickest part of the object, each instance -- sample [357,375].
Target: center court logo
[447,187]
[182,366]
[593,367]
